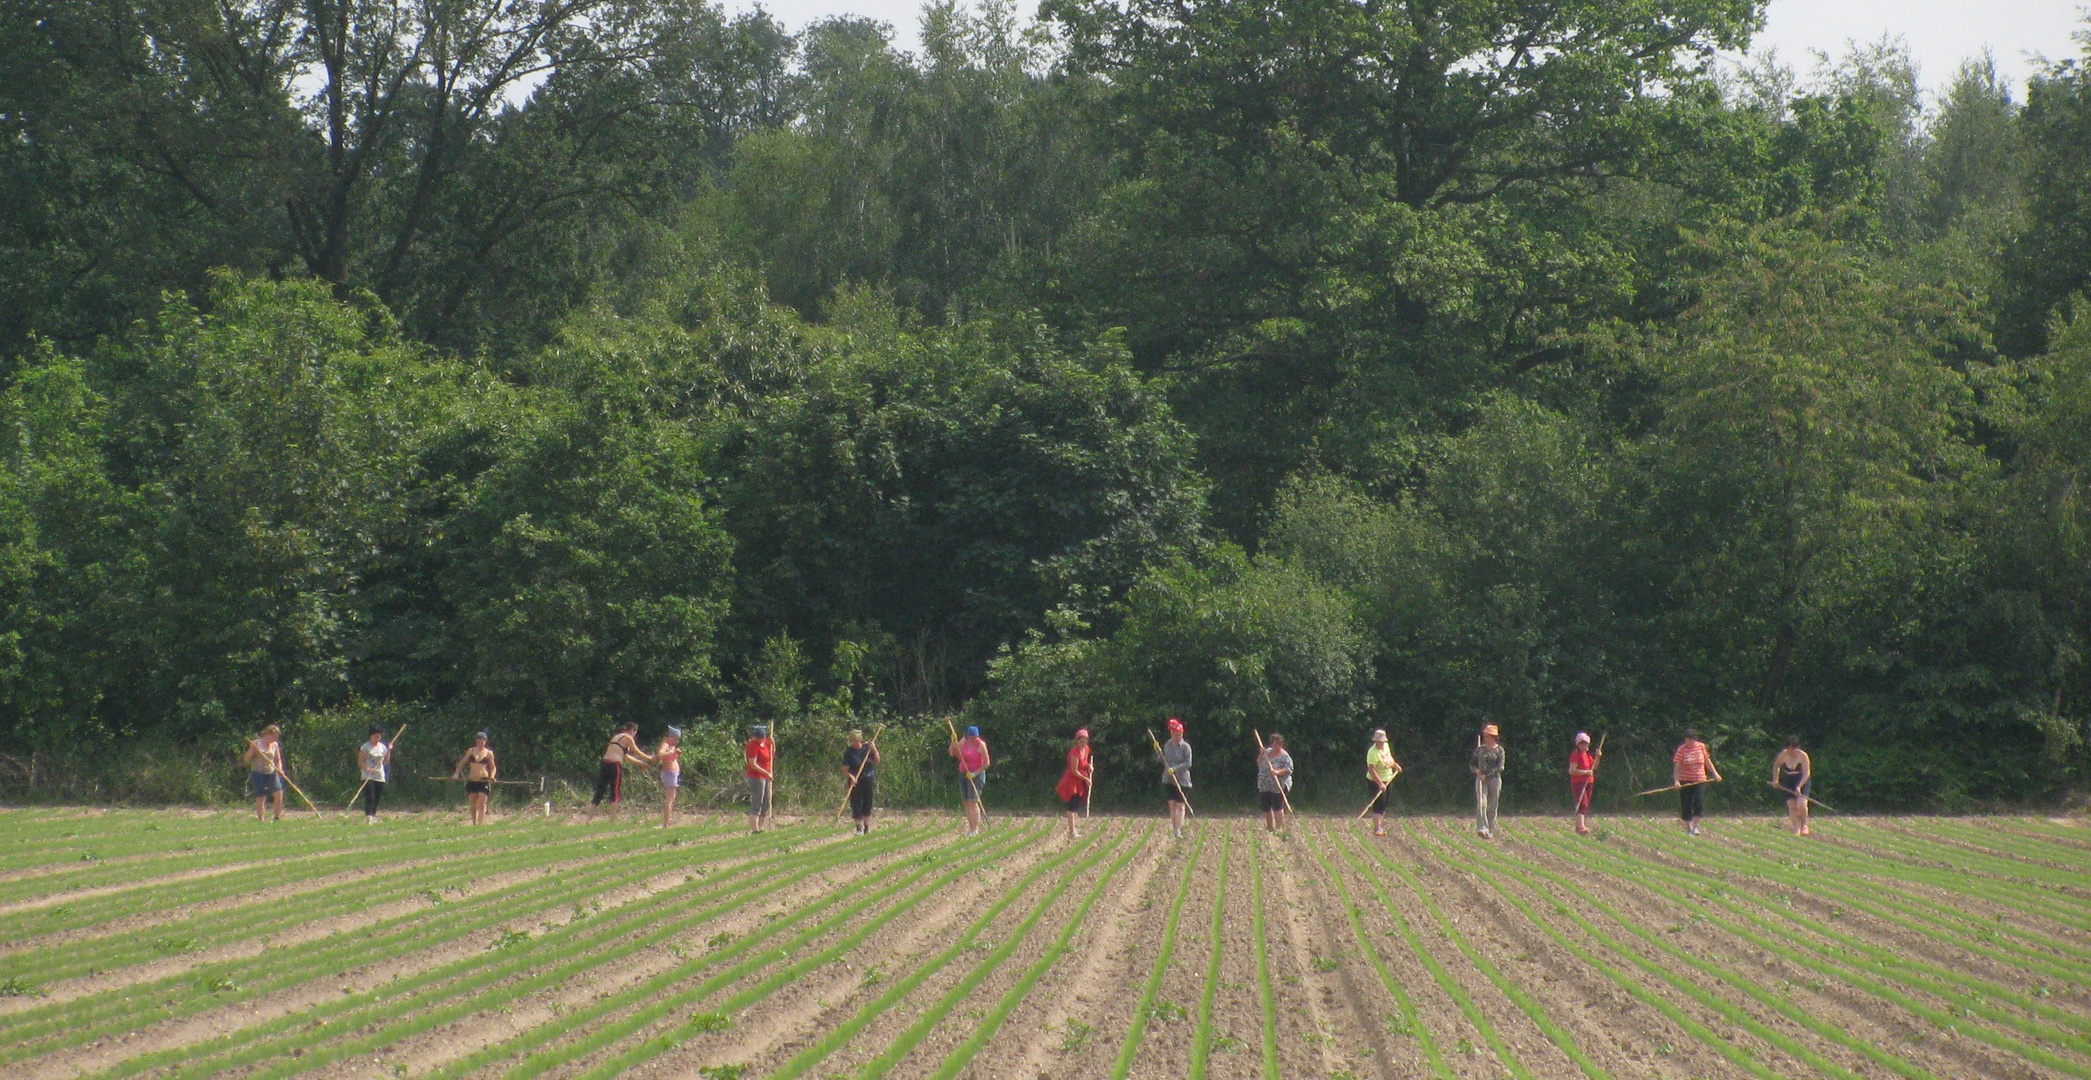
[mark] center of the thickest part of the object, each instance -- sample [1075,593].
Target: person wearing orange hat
[1175,758]
[1074,782]
[1488,781]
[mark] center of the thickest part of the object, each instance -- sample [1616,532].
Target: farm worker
[669,757]
[973,760]
[479,771]
[860,763]
[1380,768]
[1794,773]
[1176,774]
[1074,782]
[1690,769]
[265,770]
[761,773]
[1582,778]
[371,759]
[1487,765]
[1273,777]
[609,773]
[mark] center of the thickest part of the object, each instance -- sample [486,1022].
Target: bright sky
[1940,33]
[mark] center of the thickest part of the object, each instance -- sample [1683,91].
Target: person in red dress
[1073,788]
[1582,778]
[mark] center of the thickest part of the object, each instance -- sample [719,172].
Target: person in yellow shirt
[1380,770]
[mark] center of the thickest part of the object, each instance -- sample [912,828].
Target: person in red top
[1582,778]
[1074,783]
[761,773]
[1691,769]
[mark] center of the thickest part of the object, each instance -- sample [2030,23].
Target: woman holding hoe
[373,760]
[973,760]
[1487,766]
[265,770]
[1794,774]
[860,770]
[1273,777]
[1380,770]
[609,773]
[761,774]
[1074,782]
[1582,779]
[479,772]
[1691,769]
[1174,757]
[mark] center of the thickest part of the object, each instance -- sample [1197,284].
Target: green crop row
[1438,972]
[406,1007]
[1859,964]
[1407,1019]
[848,1029]
[1141,1008]
[1890,848]
[1201,1031]
[962,860]
[2044,899]
[956,1062]
[86,1019]
[1264,999]
[1517,994]
[905,1043]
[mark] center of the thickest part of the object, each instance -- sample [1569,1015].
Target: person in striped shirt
[1691,769]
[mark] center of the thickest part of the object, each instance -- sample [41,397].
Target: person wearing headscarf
[1074,782]
[1380,770]
[668,756]
[973,760]
[1582,779]
[761,773]
[860,769]
[1175,760]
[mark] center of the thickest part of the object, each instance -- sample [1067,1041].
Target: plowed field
[207,944]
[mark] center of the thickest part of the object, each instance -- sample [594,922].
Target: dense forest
[1310,366]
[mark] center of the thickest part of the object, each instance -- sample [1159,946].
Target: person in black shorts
[860,770]
[478,770]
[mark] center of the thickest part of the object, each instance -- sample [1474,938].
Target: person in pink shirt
[973,761]
[1582,779]
[1691,769]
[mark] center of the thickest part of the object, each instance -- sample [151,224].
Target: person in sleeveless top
[479,771]
[264,760]
[1794,773]
[609,773]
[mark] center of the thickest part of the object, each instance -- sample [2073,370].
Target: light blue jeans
[1488,793]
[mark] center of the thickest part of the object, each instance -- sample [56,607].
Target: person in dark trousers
[1691,769]
[1176,774]
[1273,777]
[860,763]
[609,772]
[374,759]
[1794,774]
[1488,781]
[479,771]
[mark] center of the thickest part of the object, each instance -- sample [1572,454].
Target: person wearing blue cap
[479,771]
[973,760]
[668,757]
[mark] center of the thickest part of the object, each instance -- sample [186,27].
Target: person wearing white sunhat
[1380,770]
[1488,781]
[1582,779]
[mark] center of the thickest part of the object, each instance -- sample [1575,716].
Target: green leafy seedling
[1074,1036]
[710,1022]
[723,1072]
[511,939]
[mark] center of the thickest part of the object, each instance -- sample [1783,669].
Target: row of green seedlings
[1266,1000]
[1440,975]
[1406,1021]
[1091,852]
[172,926]
[2030,941]
[142,861]
[173,882]
[1931,922]
[87,857]
[1939,924]
[1201,1029]
[1674,965]
[1143,1009]
[178,929]
[2042,891]
[1994,841]
[215,985]
[1518,995]
[1887,974]
[657,1000]
[2067,836]
[374,1019]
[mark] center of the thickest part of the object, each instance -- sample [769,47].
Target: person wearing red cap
[1175,758]
[1582,778]
[1074,783]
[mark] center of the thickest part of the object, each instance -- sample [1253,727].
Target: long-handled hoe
[389,760]
[855,776]
[1172,773]
[1280,781]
